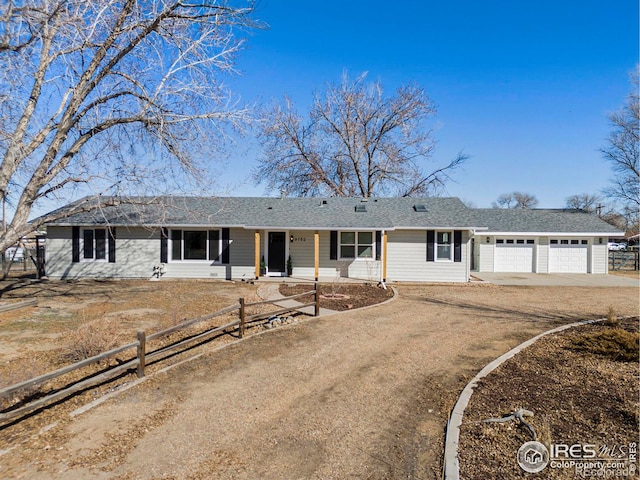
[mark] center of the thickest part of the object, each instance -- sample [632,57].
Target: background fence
[624,260]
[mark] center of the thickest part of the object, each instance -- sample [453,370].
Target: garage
[568,255]
[514,255]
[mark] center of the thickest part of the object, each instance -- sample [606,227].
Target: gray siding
[407,259]
[241,260]
[486,257]
[542,265]
[599,257]
[137,251]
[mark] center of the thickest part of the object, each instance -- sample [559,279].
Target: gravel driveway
[362,394]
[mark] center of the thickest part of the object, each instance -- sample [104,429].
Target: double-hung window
[94,244]
[444,246]
[356,245]
[196,245]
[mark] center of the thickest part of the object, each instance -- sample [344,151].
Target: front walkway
[269,291]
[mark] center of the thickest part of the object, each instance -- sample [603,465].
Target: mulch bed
[342,296]
[577,396]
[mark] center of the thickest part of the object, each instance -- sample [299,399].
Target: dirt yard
[360,394]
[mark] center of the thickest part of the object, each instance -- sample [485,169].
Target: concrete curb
[451,464]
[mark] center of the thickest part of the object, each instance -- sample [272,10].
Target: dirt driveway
[362,394]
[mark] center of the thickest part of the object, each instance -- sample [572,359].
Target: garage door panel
[568,258]
[513,258]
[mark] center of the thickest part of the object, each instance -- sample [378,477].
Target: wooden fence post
[242,318]
[142,345]
[316,299]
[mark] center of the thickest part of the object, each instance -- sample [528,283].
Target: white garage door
[568,256]
[513,255]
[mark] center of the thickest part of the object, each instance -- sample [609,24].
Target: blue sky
[523,87]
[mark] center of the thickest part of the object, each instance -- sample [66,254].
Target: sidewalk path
[270,291]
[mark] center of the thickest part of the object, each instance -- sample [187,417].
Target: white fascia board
[553,234]
[320,229]
[449,228]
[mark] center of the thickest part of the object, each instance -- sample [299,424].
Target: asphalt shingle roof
[331,213]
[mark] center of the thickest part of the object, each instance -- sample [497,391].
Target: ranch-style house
[375,239]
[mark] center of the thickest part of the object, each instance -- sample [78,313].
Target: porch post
[316,253]
[256,259]
[384,256]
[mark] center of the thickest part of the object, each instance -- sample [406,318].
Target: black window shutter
[457,246]
[225,245]
[333,245]
[75,244]
[164,245]
[431,237]
[112,245]
[378,244]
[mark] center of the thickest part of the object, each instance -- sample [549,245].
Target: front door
[276,254]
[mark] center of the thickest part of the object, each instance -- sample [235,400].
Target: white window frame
[217,261]
[437,244]
[93,245]
[356,245]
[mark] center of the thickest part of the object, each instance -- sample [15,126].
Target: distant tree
[355,142]
[623,147]
[584,201]
[109,96]
[625,219]
[515,200]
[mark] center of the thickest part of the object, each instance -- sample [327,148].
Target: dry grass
[616,344]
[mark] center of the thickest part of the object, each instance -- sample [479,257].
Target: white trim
[93,259]
[356,244]
[170,258]
[451,246]
[548,234]
[266,251]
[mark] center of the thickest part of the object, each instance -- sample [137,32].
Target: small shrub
[92,338]
[612,319]
[614,343]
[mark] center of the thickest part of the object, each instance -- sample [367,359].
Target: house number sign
[299,239]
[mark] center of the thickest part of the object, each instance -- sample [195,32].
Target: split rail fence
[624,260]
[143,357]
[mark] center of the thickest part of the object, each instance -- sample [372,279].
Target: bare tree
[584,201]
[515,200]
[622,149]
[355,142]
[110,96]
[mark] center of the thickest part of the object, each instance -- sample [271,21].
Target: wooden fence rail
[143,356]
[624,260]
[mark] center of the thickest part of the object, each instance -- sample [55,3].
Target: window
[444,245]
[196,245]
[584,242]
[520,241]
[564,242]
[94,244]
[554,242]
[356,245]
[500,240]
[574,242]
[530,242]
[509,240]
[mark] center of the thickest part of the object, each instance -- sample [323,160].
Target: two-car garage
[520,255]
